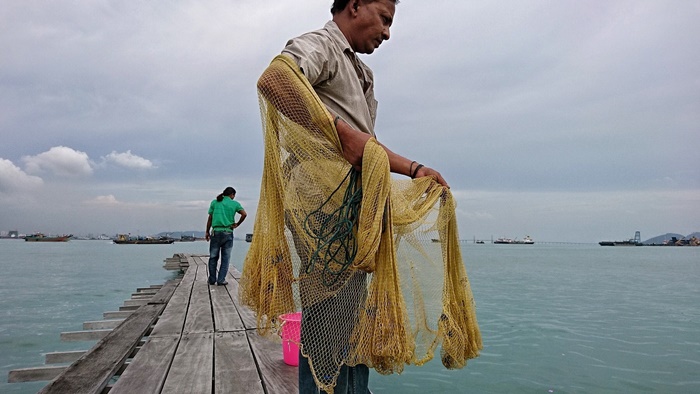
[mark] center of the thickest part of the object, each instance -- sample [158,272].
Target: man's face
[371,26]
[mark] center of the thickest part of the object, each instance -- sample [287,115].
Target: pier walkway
[182,337]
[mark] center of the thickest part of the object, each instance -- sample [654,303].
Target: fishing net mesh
[373,262]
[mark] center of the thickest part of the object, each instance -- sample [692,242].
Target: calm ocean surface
[554,318]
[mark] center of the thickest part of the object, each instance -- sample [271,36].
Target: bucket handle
[279,332]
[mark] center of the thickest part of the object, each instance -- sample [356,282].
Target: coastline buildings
[9,234]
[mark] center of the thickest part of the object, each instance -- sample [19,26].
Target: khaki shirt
[342,81]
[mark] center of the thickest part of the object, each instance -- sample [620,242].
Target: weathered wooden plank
[63,357]
[116,314]
[192,366]
[135,302]
[202,266]
[101,324]
[140,296]
[91,372]
[246,314]
[278,376]
[199,318]
[196,261]
[139,289]
[129,308]
[226,317]
[188,277]
[235,273]
[171,321]
[34,374]
[148,369]
[193,260]
[85,335]
[165,292]
[182,265]
[146,291]
[234,368]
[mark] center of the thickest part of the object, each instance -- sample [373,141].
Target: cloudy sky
[563,120]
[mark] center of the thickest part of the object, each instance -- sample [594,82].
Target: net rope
[335,242]
[373,262]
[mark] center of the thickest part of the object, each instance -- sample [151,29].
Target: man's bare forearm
[353,144]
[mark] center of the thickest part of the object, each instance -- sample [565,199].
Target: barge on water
[636,241]
[124,239]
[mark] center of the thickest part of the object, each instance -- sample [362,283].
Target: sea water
[554,318]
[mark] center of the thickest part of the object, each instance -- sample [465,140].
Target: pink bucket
[290,331]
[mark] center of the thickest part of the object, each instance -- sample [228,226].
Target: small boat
[125,239]
[39,237]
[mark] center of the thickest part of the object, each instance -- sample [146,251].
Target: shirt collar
[338,36]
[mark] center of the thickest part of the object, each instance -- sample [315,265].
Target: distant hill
[665,237]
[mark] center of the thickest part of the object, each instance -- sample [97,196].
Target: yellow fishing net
[373,262]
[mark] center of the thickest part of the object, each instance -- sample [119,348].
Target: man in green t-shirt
[221,222]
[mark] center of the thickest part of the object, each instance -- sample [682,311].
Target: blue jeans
[352,380]
[220,243]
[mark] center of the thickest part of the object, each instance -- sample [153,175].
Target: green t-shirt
[223,213]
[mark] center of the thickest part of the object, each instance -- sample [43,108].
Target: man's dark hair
[339,5]
[227,192]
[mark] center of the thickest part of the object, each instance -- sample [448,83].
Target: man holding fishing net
[335,236]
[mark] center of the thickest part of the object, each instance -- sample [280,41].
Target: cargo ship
[509,241]
[39,237]
[636,241]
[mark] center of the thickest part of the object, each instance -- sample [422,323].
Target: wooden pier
[182,337]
